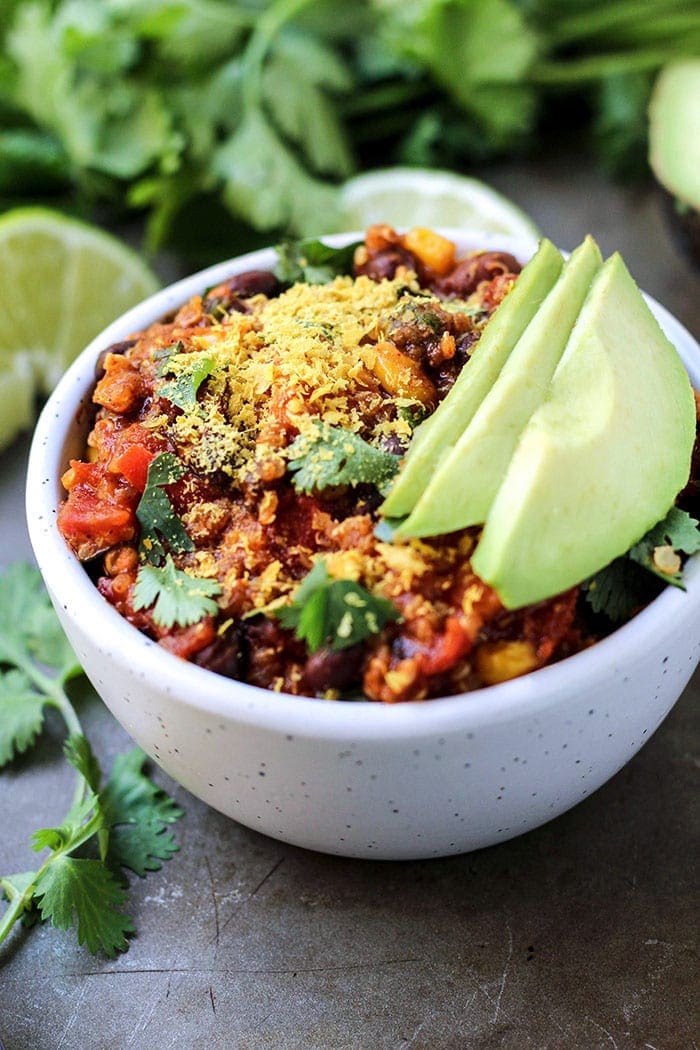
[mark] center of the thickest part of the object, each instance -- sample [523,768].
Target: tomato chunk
[99,511]
[133,465]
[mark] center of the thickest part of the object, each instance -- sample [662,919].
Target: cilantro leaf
[265,184]
[138,812]
[82,758]
[29,627]
[21,714]
[47,642]
[84,892]
[619,589]
[633,580]
[482,69]
[306,115]
[163,354]
[338,613]
[182,391]
[155,512]
[334,456]
[74,830]
[312,261]
[677,530]
[179,598]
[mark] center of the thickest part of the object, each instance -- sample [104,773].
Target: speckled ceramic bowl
[356,778]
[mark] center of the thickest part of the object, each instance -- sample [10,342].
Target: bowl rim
[195,687]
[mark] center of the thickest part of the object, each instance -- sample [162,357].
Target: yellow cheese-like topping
[294,359]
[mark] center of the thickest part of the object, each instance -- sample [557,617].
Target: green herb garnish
[329,456]
[176,597]
[109,826]
[155,512]
[678,531]
[634,579]
[334,613]
[182,391]
[313,261]
[162,357]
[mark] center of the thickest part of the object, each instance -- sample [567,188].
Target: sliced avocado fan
[469,474]
[438,434]
[603,457]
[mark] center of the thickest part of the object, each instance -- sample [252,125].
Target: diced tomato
[133,465]
[99,511]
[447,649]
[186,641]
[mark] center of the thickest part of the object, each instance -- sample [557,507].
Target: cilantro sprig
[334,613]
[176,597]
[328,456]
[155,512]
[635,578]
[312,261]
[182,390]
[111,825]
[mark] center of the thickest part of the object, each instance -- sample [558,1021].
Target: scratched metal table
[579,934]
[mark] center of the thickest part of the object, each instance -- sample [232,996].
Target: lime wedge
[61,282]
[405,197]
[16,398]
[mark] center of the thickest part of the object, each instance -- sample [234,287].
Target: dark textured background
[580,934]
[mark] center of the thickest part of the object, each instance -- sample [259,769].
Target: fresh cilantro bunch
[328,456]
[334,613]
[112,824]
[264,108]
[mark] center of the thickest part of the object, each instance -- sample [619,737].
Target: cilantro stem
[58,699]
[613,20]
[53,688]
[595,67]
[267,27]
[19,902]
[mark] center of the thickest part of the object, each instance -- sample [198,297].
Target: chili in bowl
[368,697]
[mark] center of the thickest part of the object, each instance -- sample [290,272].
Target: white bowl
[357,778]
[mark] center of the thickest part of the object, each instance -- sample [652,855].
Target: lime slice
[405,197]
[16,398]
[61,282]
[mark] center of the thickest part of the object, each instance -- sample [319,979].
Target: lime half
[61,282]
[16,398]
[405,197]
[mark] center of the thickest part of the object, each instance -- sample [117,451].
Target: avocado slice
[468,477]
[674,146]
[603,457]
[439,433]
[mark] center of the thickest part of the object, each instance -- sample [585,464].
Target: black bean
[382,265]
[229,294]
[327,669]
[222,656]
[469,273]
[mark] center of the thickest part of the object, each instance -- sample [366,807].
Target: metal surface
[580,934]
